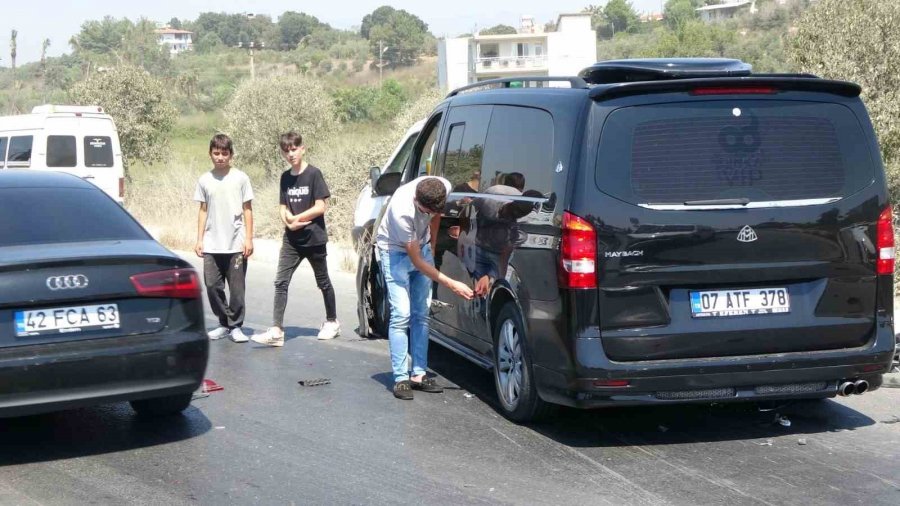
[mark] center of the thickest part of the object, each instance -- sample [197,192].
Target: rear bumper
[732,379]
[52,377]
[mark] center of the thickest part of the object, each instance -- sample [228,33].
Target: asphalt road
[265,439]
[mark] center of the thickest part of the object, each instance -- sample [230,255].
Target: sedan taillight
[174,284]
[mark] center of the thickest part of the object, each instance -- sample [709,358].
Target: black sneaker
[403,390]
[427,385]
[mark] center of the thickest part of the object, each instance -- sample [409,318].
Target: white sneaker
[238,336]
[270,337]
[329,330]
[218,333]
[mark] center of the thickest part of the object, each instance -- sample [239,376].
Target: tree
[208,43]
[12,48]
[175,23]
[678,12]
[403,33]
[100,37]
[258,114]
[140,106]
[864,47]
[44,45]
[621,16]
[499,30]
[296,25]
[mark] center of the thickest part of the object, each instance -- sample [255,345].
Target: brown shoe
[403,390]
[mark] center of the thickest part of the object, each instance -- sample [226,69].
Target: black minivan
[658,231]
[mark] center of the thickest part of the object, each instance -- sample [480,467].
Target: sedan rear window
[762,151]
[59,215]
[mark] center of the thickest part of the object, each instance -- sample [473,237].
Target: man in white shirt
[405,241]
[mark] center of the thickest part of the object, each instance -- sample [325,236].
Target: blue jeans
[409,292]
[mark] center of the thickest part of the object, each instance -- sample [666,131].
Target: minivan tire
[162,406]
[513,372]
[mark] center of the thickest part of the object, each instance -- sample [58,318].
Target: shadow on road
[92,431]
[661,425]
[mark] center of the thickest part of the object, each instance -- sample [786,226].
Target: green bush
[140,105]
[262,109]
[368,103]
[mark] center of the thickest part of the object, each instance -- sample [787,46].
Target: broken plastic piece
[767,442]
[210,386]
[801,441]
[467,395]
[314,382]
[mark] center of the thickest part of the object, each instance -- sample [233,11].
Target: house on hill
[177,41]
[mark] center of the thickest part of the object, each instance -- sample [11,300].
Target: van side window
[520,150]
[61,151]
[98,151]
[19,154]
[465,146]
[2,152]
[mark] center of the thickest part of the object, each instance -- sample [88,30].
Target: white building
[178,41]
[727,10]
[530,52]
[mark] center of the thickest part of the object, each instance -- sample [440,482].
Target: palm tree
[12,48]
[44,46]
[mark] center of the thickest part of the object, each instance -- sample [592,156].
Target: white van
[80,140]
[368,205]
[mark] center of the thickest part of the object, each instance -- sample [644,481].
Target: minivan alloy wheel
[510,363]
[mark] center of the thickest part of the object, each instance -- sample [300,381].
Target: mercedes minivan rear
[742,236]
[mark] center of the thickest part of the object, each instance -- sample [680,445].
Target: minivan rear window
[61,151]
[763,151]
[58,215]
[98,151]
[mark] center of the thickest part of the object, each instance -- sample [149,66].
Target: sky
[59,20]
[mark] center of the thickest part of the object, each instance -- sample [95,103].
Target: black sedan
[92,309]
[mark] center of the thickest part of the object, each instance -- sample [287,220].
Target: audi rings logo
[69,282]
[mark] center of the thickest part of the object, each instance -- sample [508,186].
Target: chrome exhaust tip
[846,388]
[861,387]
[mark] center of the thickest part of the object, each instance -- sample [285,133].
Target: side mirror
[374,172]
[387,184]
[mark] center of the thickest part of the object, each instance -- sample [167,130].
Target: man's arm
[248,229]
[413,249]
[318,209]
[201,228]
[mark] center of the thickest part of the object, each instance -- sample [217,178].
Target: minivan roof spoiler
[658,69]
[755,84]
[507,82]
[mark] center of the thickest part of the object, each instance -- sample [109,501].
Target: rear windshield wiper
[719,202]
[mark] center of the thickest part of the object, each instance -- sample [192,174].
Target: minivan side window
[2,152]
[465,146]
[19,154]
[424,160]
[519,150]
[98,151]
[61,151]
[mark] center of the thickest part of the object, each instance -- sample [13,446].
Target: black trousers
[288,261]
[219,269]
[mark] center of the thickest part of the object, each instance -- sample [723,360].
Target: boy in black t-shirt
[302,197]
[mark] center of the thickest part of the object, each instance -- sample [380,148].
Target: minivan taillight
[578,253]
[884,242]
[174,284]
[121,187]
